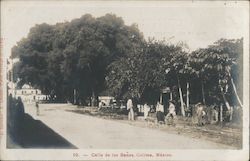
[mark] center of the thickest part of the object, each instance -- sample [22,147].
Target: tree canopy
[74,55]
[89,56]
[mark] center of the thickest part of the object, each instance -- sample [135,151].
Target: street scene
[110,79]
[104,133]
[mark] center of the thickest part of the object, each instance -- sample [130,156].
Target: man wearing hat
[160,113]
[200,113]
[171,110]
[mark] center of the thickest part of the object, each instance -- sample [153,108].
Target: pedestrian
[146,110]
[100,105]
[200,114]
[160,113]
[37,109]
[171,111]
[215,114]
[130,109]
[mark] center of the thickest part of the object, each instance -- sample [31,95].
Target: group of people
[203,114]
[159,111]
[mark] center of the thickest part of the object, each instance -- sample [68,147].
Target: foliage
[215,65]
[74,55]
[94,56]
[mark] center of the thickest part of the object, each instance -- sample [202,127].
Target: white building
[29,94]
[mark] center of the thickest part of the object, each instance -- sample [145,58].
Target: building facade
[30,94]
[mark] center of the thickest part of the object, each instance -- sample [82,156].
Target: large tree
[80,59]
[70,59]
[142,74]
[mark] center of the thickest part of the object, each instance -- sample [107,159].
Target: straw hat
[171,101]
[199,104]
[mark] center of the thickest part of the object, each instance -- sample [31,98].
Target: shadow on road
[34,134]
[26,132]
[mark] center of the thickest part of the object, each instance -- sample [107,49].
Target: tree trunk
[236,94]
[231,114]
[161,98]
[181,98]
[74,96]
[187,94]
[171,96]
[224,98]
[203,93]
[221,111]
[235,91]
[93,98]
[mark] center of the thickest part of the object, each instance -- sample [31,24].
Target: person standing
[160,113]
[200,114]
[130,109]
[100,105]
[146,110]
[215,115]
[37,109]
[171,110]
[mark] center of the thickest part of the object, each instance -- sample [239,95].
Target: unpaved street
[90,132]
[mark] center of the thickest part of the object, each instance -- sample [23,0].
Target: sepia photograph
[124,80]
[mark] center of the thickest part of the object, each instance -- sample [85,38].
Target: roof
[26,86]
[105,97]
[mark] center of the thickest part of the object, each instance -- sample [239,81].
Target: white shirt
[171,108]
[160,108]
[146,108]
[129,104]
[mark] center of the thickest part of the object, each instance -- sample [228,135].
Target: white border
[56,154]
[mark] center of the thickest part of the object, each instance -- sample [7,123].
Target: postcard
[124,80]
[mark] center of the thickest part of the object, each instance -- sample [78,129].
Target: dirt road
[90,132]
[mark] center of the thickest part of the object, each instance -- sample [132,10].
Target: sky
[198,24]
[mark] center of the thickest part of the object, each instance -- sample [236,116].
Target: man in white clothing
[130,109]
[146,109]
[160,113]
[171,110]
